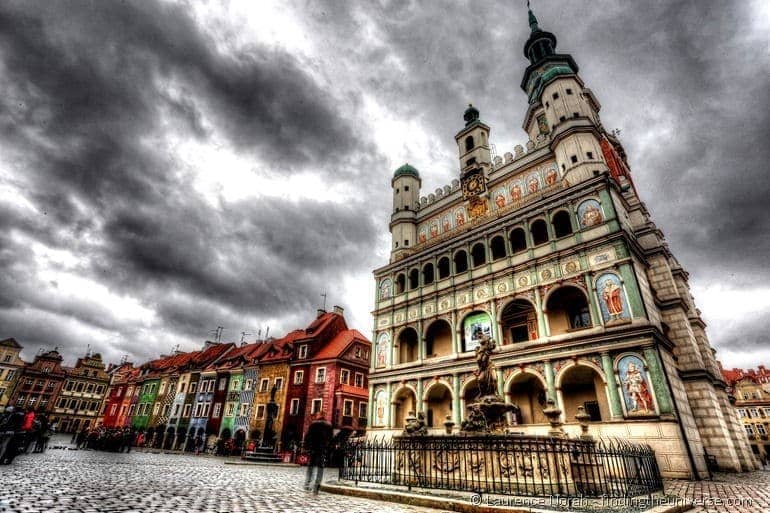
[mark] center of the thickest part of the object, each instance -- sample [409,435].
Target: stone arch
[567,308]
[497,247]
[561,221]
[467,345]
[539,230]
[527,389]
[518,239]
[460,261]
[438,338]
[583,384]
[406,346]
[479,254]
[405,400]
[444,268]
[438,400]
[517,320]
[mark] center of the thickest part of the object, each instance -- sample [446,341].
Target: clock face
[473,183]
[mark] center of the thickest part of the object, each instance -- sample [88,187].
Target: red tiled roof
[339,344]
[731,376]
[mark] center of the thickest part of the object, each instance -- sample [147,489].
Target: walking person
[12,435]
[317,440]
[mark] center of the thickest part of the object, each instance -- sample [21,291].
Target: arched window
[427,274]
[479,254]
[443,268]
[561,224]
[406,346]
[497,244]
[414,279]
[539,232]
[438,339]
[518,322]
[518,240]
[400,283]
[567,310]
[461,261]
[469,143]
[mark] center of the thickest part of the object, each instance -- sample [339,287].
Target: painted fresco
[434,228]
[499,198]
[460,216]
[636,386]
[380,408]
[551,176]
[381,350]
[446,223]
[474,327]
[590,213]
[516,191]
[386,288]
[533,183]
[612,299]
[422,236]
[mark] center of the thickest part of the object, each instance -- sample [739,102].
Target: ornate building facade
[750,394]
[79,403]
[11,366]
[550,251]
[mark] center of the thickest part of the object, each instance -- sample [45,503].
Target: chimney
[338,309]
[320,312]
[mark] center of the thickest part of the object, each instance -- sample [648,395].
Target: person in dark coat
[13,436]
[317,440]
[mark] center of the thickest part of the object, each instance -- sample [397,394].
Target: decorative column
[420,342]
[455,339]
[655,368]
[391,406]
[616,409]
[456,399]
[420,406]
[493,315]
[540,311]
[632,290]
[549,380]
[592,306]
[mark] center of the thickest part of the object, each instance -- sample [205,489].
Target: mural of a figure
[635,385]
[612,300]
[515,192]
[380,408]
[383,345]
[500,198]
[434,228]
[423,236]
[532,184]
[446,223]
[590,213]
[385,288]
[550,176]
[460,217]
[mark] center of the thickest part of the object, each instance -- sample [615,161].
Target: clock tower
[475,161]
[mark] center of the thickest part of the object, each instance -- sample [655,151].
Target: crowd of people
[114,439]
[21,432]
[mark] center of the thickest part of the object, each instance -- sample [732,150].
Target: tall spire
[532,19]
[540,44]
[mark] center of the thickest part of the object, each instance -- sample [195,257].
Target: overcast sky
[167,168]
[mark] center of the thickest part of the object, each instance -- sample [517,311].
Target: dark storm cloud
[688,82]
[87,87]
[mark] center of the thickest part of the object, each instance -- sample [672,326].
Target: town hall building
[549,251]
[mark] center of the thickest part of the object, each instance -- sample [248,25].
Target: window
[67,387]
[166,407]
[247,386]
[222,383]
[539,232]
[555,96]
[302,351]
[186,410]
[767,412]
[573,158]
[590,155]
[443,268]
[469,143]
[299,377]
[414,279]
[229,410]
[294,407]
[479,254]
[264,384]
[11,374]
[217,410]
[562,226]
[260,411]
[569,91]
[7,358]
[344,376]
[156,409]
[198,410]
[741,413]
[320,375]
[316,406]
[193,387]
[347,408]
[518,240]
[114,409]
[754,413]
[427,274]
[244,409]
[461,261]
[234,385]
[400,282]
[362,410]
[176,409]
[761,429]
[359,380]
[206,409]
[358,351]
[278,383]
[497,245]
[182,387]
[749,429]
[406,188]
[162,388]
[131,410]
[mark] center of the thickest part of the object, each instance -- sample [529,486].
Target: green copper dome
[406,169]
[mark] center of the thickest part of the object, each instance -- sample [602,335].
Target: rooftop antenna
[324,296]
[267,332]
[217,333]
[123,359]
[259,334]
[243,335]
[88,351]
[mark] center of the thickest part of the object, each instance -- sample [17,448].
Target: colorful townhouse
[234,364]
[11,366]
[39,383]
[79,404]
[115,410]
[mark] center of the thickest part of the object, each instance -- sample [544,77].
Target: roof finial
[532,19]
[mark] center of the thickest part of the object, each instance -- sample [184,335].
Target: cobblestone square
[100,482]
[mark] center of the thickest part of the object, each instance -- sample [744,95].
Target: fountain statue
[487,414]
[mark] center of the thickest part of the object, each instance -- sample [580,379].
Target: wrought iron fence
[506,465]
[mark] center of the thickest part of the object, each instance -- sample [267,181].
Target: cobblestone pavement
[744,493]
[97,482]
